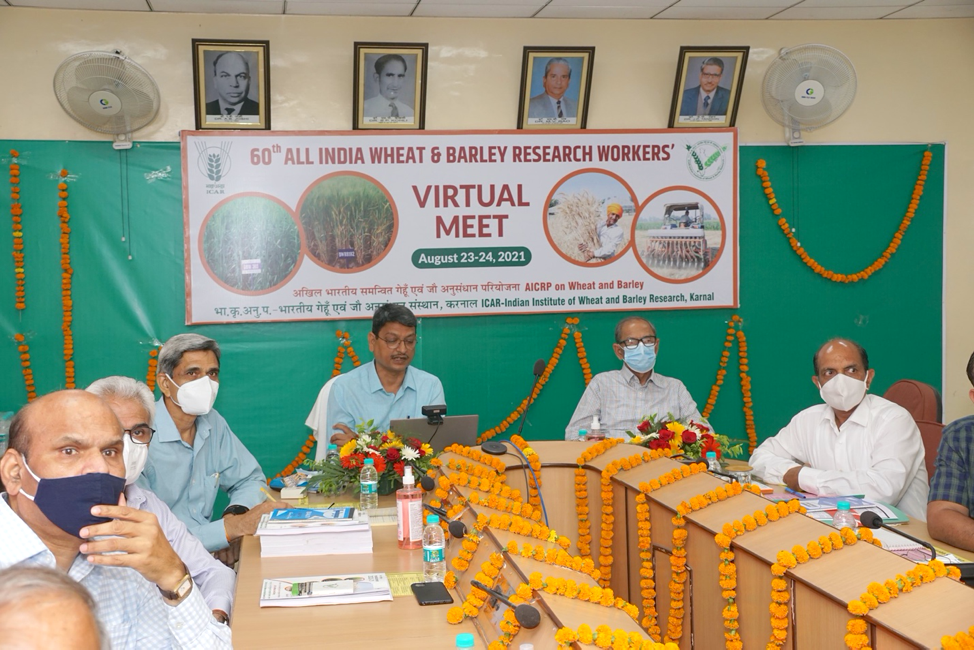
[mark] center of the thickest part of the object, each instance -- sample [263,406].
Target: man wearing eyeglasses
[621,398]
[387,388]
[709,98]
[133,405]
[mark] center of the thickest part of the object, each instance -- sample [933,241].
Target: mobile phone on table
[431,593]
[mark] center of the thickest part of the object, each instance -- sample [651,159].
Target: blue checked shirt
[188,478]
[953,475]
[621,401]
[130,608]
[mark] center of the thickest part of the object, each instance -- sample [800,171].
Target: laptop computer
[460,429]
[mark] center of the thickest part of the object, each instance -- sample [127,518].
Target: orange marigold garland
[604,637]
[23,350]
[735,331]
[344,346]
[555,556]
[66,273]
[886,254]
[876,594]
[516,413]
[960,641]
[581,493]
[580,347]
[150,373]
[534,461]
[16,214]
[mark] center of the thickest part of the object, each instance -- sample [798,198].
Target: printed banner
[283,226]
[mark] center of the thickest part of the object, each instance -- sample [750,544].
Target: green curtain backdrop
[127,252]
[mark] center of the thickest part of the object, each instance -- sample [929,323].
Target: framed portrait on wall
[389,88]
[232,84]
[708,86]
[555,85]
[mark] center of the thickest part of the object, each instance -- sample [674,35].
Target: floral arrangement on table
[389,452]
[692,439]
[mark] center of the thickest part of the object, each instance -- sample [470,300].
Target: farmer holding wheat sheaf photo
[609,233]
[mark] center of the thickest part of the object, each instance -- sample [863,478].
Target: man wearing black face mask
[854,443]
[64,474]
[194,454]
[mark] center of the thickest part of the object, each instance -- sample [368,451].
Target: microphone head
[436,511]
[527,616]
[493,448]
[427,483]
[870,519]
[458,529]
[539,367]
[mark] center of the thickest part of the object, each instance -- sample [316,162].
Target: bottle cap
[842,505]
[582,433]
[369,461]
[711,455]
[596,425]
[332,446]
[527,646]
[432,519]
[407,477]
[465,640]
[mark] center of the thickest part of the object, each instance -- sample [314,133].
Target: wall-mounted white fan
[108,93]
[807,87]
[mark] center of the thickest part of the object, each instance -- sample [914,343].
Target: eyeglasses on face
[394,343]
[140,435]
[632,344]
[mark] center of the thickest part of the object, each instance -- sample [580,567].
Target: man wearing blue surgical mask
[194,454]
[854,443]
[64,474]
[621,398]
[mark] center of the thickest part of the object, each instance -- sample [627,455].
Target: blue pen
[795,492]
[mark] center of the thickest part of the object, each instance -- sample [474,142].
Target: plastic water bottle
[464,641]
[331,452]
[713,465]
[843,517]
[434,563]
[368,482]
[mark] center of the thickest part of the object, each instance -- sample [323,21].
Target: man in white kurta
[853,444]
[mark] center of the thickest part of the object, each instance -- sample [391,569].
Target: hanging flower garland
[728,569]
[876,594]
[16,214]
[516,413]
[151,371]
[477,456]
[476,598]
[66,272]
[534,461]
[581,493]
[556,557]
[607,498]
[580,347]
[344,345]
[886,254]
[573,591]
[735,330]
[24,351]
[604,637]
[961,640]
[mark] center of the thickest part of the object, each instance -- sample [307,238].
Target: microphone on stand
[498,448]
[457,528]
[525,615]
[870,519]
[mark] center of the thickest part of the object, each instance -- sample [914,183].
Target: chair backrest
[920,399]
[318,419]
[930,432]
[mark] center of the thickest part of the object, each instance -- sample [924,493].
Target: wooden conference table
[819,589]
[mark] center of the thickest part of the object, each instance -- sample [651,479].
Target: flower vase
[389,484]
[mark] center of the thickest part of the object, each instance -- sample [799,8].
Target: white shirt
[215,580]
[877,452]
[130,608]
[610,238]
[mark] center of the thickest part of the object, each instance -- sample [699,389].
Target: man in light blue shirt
[133,405]
[194,454]
[65,456]
[387,388]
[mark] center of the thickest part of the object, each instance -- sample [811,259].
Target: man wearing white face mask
[194,454]
[621,398]
[853,444]
[132,403]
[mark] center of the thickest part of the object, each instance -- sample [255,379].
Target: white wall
[914,86]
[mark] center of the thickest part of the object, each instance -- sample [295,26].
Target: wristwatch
[180,592]
[236,509]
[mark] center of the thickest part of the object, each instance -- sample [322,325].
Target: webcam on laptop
[434,413]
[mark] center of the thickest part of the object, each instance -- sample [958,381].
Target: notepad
[344,589]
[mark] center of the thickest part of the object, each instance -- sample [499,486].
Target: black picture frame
[537,108]
[218,104]
[691,107]
[397,98]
